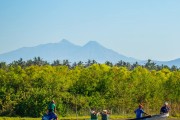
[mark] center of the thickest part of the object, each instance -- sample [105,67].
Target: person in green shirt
[52,107]
[50,115]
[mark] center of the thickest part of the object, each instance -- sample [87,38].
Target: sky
[142,29]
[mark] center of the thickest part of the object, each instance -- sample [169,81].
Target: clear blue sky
[143,29]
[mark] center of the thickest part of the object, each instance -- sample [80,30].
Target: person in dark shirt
[165,109]
[94,115]
[105,115]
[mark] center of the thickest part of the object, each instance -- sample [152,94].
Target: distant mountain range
[64,50]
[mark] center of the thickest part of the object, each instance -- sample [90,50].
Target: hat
[166,103]
[104,110]
[93,111]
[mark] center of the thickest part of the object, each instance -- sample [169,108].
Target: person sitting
[165,109]
[139,112]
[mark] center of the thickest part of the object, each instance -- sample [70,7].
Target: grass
[112,117]
[18,118]
[62,118]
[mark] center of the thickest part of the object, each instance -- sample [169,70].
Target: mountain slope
[66,50]
[49,52]
[175,62]
[94,51]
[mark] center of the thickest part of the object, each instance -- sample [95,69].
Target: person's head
[140,106]
[52,101]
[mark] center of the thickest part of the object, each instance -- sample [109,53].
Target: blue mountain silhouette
[65,50]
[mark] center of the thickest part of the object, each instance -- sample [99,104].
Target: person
[165,109]
[94,115]
[51,115]
[52,107]
[139,112]
[105,115]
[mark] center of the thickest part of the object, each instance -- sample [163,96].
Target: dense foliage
[26,87]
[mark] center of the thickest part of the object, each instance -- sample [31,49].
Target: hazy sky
[143,29]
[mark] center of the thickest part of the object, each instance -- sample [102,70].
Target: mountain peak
[64,41]
[92,43]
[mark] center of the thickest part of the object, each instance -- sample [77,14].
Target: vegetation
[26,87]
[17,118]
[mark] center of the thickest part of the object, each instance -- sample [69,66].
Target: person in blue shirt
[139,112]
[165,109]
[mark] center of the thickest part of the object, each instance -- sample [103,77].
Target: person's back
[51,112]
[139,112]
[105,115]
[94,115]
[52,106]
[165,109]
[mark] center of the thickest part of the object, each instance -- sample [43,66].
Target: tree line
[26,87]
[150,65]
